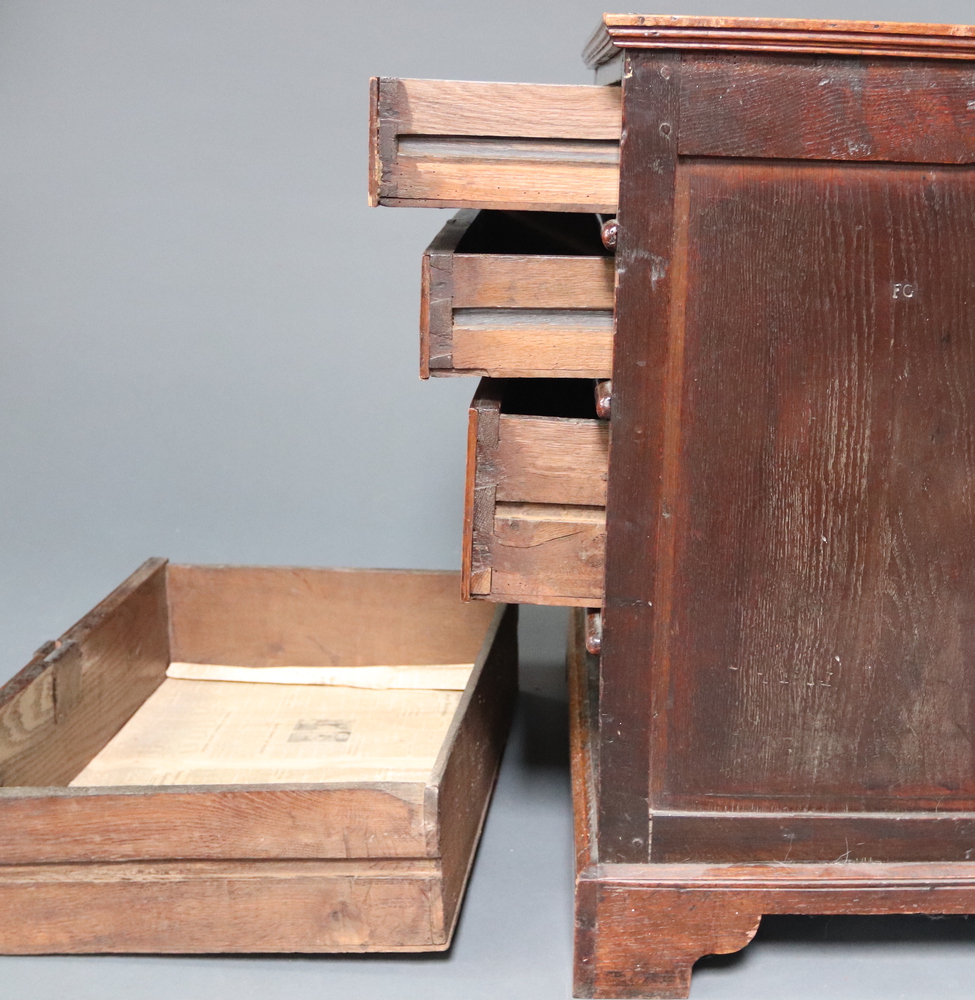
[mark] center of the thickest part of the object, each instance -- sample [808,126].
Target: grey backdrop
[208,351]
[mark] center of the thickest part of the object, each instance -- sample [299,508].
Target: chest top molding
[753,34]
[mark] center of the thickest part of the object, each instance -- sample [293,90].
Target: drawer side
[535,526]
[442,143]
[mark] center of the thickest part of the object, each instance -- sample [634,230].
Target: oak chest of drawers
[774,711]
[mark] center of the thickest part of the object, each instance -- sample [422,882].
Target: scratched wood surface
[62,708]
[548,554]
[823,566]
[642,408]
[797,107]
[552,460]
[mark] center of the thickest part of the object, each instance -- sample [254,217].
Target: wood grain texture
[640,928]
[727,836]
[799,107]
[487,145]
[535,526]
[455,107]
[542,178]
[290,616]
[437,294]
[643,926]
[835,456]
[484,418]
[513,281]
[131,824]
[645,942]
[532,343]
[548,554]
[211,907]
[463,782]
[643,416]
[375,160]
[61,710]
[583,683]
[770,35]
[552,460]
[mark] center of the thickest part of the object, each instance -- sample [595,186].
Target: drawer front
[450,144]
[515,296]
[535,526]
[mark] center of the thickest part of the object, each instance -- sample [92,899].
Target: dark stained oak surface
[827,108]
[770,35]
[820,640]
[641,364]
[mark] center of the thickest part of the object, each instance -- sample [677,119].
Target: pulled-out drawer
[520,146]
[247,759]
[535,523]
[517,294]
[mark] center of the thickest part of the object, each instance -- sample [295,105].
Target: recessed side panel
[819,630]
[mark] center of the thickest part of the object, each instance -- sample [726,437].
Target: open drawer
[535,520]
[519,146]
[332,807]
[517,294]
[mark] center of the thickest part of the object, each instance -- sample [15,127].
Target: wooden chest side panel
[66,705]
[803,107]
[821,643]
